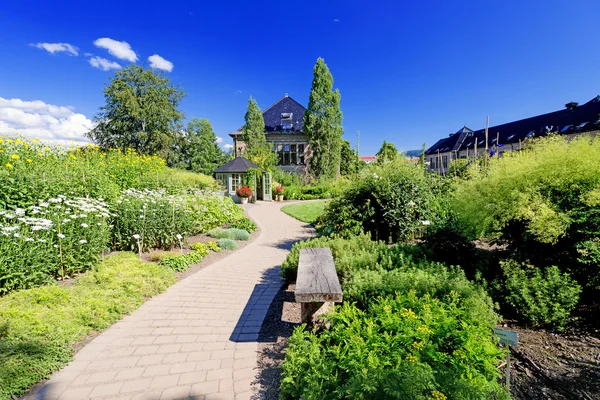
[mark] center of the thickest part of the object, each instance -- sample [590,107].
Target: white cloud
[57,48]
[118,49]
[228,146]
[157,61]
[103,63]
[336,20]
[36,119]
[219,139]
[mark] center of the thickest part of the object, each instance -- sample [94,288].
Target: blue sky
[409,73]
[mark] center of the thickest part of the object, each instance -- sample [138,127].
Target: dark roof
[273,116]
[512,132]
[238,164]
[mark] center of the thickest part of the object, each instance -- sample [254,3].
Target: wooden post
[487,122]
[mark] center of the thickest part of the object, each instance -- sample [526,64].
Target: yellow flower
[411,358]
[435,395]
[29,160]
[9,165]
[46,148]
[40,155]
[1,141]
[9,140]
[407,313]
[425,330]
[418,345]
[18,141]
[15,157]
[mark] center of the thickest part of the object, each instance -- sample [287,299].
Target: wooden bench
[317,284]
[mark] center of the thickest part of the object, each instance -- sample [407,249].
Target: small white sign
[506,336]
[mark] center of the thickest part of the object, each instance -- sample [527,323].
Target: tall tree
[203,151]
[323,124]
[141,112]
[349,160]
[387,153]
[257,149]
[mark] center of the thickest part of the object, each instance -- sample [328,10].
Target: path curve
[198,340]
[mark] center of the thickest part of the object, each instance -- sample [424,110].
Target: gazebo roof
[237,165]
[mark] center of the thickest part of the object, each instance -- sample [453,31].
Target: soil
[549,365]
[281,319]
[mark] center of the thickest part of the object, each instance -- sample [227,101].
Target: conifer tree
[388,153]
[323,124]
[257,150]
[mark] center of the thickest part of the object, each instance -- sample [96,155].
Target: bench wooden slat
[317,280]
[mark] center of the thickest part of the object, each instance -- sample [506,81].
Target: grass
[38,327]
[306,211]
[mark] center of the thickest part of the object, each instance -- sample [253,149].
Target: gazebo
[234,174]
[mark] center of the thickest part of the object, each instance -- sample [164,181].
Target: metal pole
[508,369]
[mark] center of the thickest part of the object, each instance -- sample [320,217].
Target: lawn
[307,211]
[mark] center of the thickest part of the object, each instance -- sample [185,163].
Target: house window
[290,154]
[445,161]
[222,178]
[287,121]
[236,181]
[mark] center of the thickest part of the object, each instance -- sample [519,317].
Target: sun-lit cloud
[36,119]
[336,20]
[219,139]
[157,61]
[57,48]
[121,50]
[103,63]
[228,146]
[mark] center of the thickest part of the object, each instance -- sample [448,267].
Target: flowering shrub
[55,238]
[279,190]
[30,170]
[244,191]
[160,220]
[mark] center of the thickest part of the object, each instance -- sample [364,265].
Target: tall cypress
[323,124]
[257,150]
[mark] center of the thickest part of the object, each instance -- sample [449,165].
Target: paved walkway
[198,340]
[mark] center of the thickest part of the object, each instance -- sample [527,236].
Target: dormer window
[287,121]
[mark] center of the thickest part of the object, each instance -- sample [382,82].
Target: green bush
[205,247]
[212,210]
[151,218]
[245,224]
[543,299]
[41,325]
[391,202]
[232,233]
[541,202]
[402,347]
[238,234]
[227,244]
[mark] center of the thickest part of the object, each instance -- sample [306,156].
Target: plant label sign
[506,336]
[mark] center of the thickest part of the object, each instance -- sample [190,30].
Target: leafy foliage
[542,202]
[141,112]
[350,162]
[401,347]
[388,153]
[232,233]
[245,224]
[43,324]
[201,150]
[227,244]
[253,134]
[542,298]
[390,201]
[323,124]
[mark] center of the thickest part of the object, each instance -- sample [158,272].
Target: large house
[465,143]
[283,128]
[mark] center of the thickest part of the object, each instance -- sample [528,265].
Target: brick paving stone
[199,338]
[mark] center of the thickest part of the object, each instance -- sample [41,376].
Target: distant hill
[413,153]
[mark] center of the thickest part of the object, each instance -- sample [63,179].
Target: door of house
[267,186]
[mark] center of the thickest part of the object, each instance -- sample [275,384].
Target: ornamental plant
[243,192]
[279,190]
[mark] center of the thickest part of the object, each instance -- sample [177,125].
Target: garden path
[198,340]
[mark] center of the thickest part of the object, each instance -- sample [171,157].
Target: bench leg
[311,311]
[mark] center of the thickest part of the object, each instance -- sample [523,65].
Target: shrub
[245,223]
[157,255]
[211,210]
[402,347]
[205,247]
[159,219]
[56,238]
[545,299]
[219,233]
[542,202]
[238,234]
[227,244]
[43,324]
[390,202]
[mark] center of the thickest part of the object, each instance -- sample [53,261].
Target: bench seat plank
[317,280]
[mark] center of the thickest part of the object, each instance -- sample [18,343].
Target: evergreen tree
[257,149]
[141,112]
[323,124]
[349,160]
[204,152]
[387,154]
